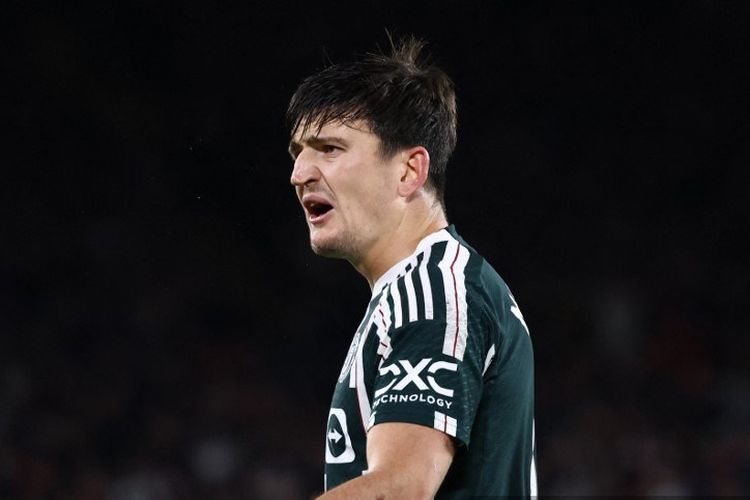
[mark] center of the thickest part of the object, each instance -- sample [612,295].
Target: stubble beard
[342,246]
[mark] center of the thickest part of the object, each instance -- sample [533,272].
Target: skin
[381,211]
[382,208]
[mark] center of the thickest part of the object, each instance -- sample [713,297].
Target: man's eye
[327,148]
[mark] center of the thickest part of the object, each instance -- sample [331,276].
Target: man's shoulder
[457,258]
[486,290]
[446,280]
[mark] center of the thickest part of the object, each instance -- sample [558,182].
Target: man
[435,398]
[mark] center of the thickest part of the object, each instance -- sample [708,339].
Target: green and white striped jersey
[442,344]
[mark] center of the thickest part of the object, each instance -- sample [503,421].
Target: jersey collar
[399,268]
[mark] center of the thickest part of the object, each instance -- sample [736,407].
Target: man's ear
[416,168]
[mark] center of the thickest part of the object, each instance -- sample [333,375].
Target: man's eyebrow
[317,140]
[314,140]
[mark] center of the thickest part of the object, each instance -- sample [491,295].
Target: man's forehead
[309,130]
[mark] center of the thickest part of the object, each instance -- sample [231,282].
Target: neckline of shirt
[393,273]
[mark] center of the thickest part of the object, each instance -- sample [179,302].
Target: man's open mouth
[316,209]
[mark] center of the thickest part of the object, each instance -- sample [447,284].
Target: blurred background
[166,333]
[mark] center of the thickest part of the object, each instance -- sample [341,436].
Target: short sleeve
[425,380]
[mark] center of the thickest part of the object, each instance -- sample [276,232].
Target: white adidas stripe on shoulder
[452,267]
[398,317]
[411,294]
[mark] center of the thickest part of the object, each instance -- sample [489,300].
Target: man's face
[346,188]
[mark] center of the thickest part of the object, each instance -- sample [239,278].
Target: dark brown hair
[405,102]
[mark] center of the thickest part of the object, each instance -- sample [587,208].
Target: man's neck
[400,243]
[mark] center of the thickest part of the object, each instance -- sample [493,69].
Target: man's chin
[324,250]
[328,247]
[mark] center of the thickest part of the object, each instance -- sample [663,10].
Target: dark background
[165,331]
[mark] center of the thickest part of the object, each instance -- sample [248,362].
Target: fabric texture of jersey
[442,344]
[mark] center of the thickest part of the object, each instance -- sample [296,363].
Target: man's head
[370,142]
[404,102]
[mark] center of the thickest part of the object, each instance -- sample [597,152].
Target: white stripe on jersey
[426,287]
[364,402]
[517,312]
[381,317]
[397,313]
[384,312]
[353,369]
[445,423]
[489,358]
[411,295]
[452,268]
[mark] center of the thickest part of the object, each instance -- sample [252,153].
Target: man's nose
[305,170]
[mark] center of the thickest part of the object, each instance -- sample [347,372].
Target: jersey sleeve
[432,374]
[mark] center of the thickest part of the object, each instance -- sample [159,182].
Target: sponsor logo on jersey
[413,398]
[338,443]
[421,376]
